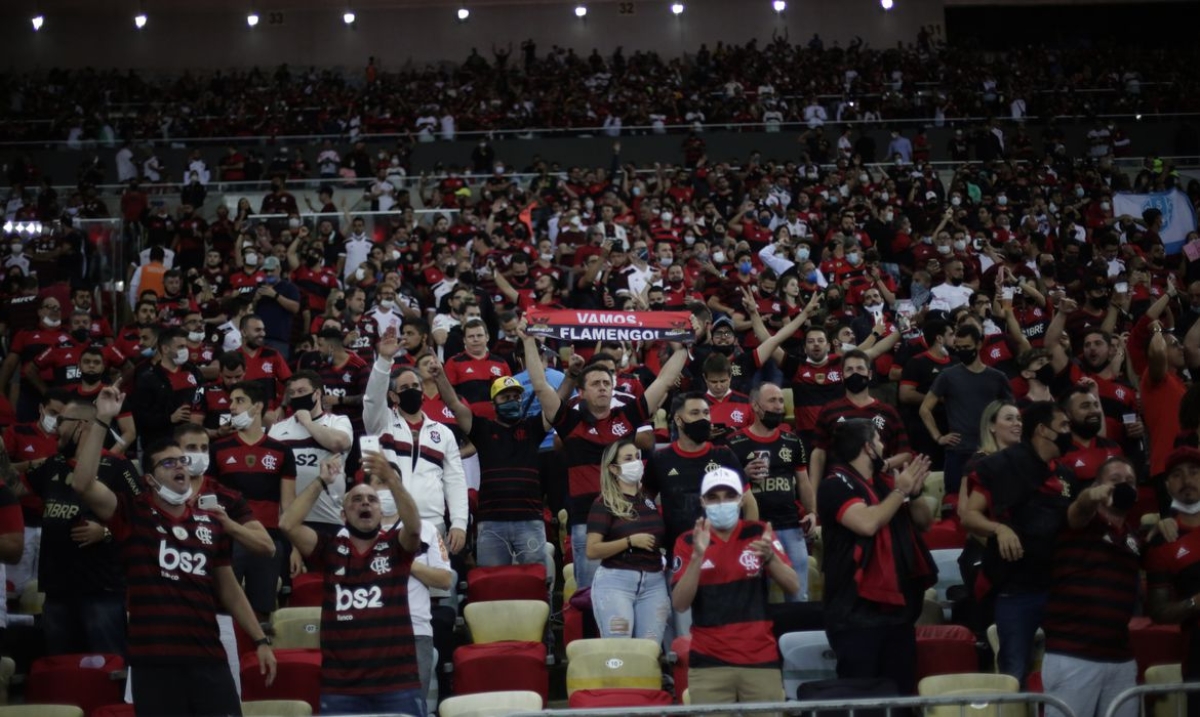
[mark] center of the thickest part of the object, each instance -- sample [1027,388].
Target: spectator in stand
[472,372]
[728,601]
[876,566]
[169,392]
[178,570]
[277,302]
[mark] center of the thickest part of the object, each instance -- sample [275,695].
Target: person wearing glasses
[178,567]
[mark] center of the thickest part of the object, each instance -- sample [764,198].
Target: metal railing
[1181,691]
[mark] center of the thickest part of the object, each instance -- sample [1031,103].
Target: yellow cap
[505,383]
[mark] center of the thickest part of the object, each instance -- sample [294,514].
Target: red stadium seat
[307,590]
[62,680]
[618,697]
[682,647]
[298,678]
[507,582]
[945,650]
[945,535]
[1155,644]
[500,667]
[118,710]
[572,624]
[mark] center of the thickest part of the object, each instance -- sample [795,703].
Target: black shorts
[204,689]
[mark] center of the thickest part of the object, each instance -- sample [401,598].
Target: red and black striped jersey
[885,417]
[472,379]
[674,475]
[268,369]
[362,338]
[256,470]
[170,566]
[611,527]
[367,643]
[813,387]
[202,354]
[348,379]
[730,624]
[234,504]
[584,439]
[315,285]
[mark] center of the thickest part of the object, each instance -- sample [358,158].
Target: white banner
[1178,216]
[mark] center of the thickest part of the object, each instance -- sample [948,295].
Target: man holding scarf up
[877,568]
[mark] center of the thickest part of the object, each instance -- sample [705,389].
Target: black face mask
[363,534]
[1123,497]
[772,419]
[313,261]
[411,400]
[339,305]
[1044,375]
[1047,270]
[1098,302]
[91,376]
[856,382]
[303,403]
[877,464]
[1064,442]
[1086,430]
[80,335]
[698,431]
[956,281]
[657,306]
[967,356]
[834,302]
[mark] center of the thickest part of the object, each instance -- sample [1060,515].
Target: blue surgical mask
[272,280]
[802,253]
[744,267]
[723,516]
[509,411]
[811,277]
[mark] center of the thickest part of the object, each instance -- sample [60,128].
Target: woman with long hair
[625,533]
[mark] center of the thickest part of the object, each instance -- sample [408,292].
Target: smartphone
[207,502]
[764,456]
[905,307]
[1008,292]
[368,444]
[1121,287]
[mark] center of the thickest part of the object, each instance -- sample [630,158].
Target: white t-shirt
[356,250]
[308,455]
[420,606]
[386,319]
[954,296]
[126,169]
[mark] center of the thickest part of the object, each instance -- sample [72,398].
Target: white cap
[721,478]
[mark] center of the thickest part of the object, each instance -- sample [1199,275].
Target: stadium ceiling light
[348,17]
[38,21]
[139,20]
[677,8]
[252,19]
[581,11]
[779,5]
[887,4]
[463,14]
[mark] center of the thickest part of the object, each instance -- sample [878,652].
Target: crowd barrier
[1164,700]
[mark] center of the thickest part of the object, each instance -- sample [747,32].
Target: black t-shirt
[776,494]
[65,568]
[510,485]
[674,475]
[612,527]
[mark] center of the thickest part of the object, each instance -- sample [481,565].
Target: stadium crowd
[773,82]
[853,329]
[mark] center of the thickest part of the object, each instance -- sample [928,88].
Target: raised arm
[376,416]
[657,392]
[770,349]
[406,507]
[546,395]
[98,497]
[462,412]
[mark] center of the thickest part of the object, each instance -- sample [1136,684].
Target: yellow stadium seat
[613,646]
[594,671]
[1149,520]
[31,600]
[687,696]
[816,584]
[971,683]
[569,584]
[276,708]
[297,613]
[1166,705]
[935,486]
[40,711]
[8,667]
[1039,648]
[789,405]
[297,633]
[498,620]
[931,613]
[490,704]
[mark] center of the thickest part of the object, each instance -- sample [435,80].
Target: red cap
[1182,455]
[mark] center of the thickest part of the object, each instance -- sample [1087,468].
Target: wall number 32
[625,8]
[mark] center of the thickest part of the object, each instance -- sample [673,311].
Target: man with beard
[80,569]
[81,300]
[1089,449]
[167,393]
[58,366]
[1101,362]
[264,365]
[93,371]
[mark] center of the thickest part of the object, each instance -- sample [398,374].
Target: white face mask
[864,178]
[170,497]
[666,261]
[49,423]
[1105,206]
[387,304]
[360,274]
[546,256]
[241,421]
[943,248]
[395,255]
[387,502]
[250,259]
[718,257]
[52,323]
[885,196]
[195,336]
[955,201]
[199,463]
[294,223]
[853,258]
[1185,508]
[181,356]
[666,217]
[1002,201]
[631,472]
[960,245]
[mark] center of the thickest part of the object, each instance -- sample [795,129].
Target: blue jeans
[1018,616]
[630,603]
[793,543]
[85,623]
[400,702]
[584,568]
[503,542]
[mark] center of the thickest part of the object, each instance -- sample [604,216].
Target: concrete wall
[214,34]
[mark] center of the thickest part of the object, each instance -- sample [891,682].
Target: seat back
[87,681]
[598,670]
[949,573]
[8,667]
[935,486]
[789,405]
[312,614]
[308,590]
[816,583]
[298,677]
[490,704]
[297,634]
[497,620]
[276,708]
[614,647]
[1172,704]
[1039,648]
[507,582]
[972,683]
[931,613]
[40,711]
[31,600]
[807,656]
[117,710]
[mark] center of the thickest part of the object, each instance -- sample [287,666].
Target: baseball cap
[271,263]
[723,321]
[721,478]
[504,383]
[1180,456]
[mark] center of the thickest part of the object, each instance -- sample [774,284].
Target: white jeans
[1086,686]
[27,569]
